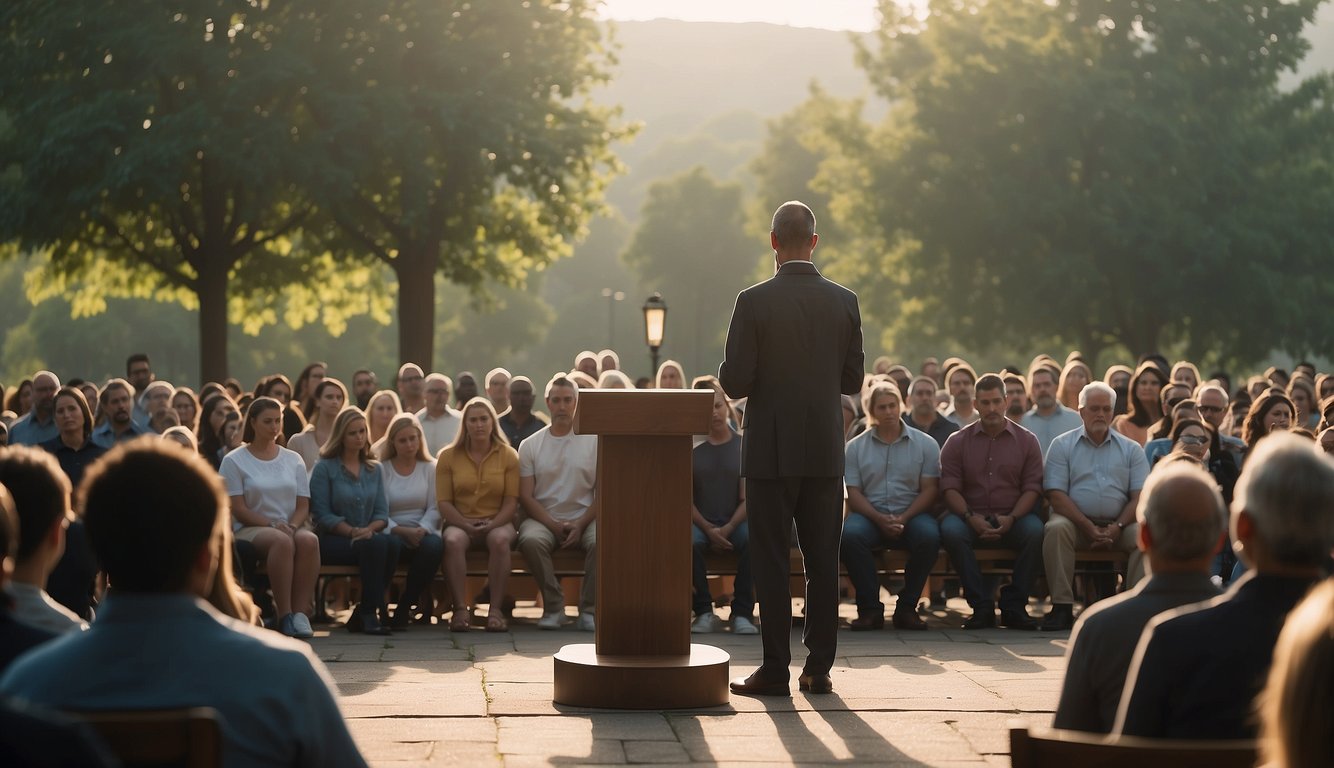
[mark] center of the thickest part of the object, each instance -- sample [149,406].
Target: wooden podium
[643,657]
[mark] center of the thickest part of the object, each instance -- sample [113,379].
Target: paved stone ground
[938,698]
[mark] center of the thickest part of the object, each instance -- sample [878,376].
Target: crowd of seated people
[1047,462]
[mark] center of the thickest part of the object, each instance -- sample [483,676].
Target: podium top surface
[643,412]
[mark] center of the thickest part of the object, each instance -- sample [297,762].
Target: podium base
[585,679]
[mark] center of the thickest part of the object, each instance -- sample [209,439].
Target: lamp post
[655,327]
[612,296]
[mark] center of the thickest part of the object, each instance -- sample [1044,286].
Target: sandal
[497,624]
[460,622]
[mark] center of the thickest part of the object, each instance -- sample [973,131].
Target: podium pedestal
[642,657]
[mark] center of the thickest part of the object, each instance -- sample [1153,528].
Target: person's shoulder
[31,673]
[289,456]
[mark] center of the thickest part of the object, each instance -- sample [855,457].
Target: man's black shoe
[1017,618]
[982,618]
[1061,618]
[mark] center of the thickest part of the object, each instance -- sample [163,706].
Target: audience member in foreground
[1181,523]
[41,496]
[154,516]
[1297,705]
[1197,670]
[15,636]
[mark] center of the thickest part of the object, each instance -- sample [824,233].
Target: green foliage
[1096,174]
[464,140]
[693,245]
[157,152]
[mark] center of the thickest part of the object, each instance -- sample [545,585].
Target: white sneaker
[553,620]
[743,626]
[301,626]
[586,623]
[705,624]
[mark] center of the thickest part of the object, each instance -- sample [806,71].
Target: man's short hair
[912,385]
[966,368]
[869,398]
[361,371]
[1287,489]
[1011,377]
[1040,369]
[40,490]
[560,380]
[491,375]
[987,383]
[793,224]
[520,380]
[430,377]
[137,357]
[1094,387]
[1178,536]
[1200,390]
[150,508]
[113,384]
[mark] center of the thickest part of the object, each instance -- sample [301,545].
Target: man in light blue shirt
[155,516]
[39,424]
[1093,476]
[1047,418]
[892,473]
[118,406]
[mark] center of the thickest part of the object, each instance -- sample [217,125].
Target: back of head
[1297,704]
[793,225]
[150,508]
[1287,489]
[1183,510]
[40,491]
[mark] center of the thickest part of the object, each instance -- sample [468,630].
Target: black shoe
[1017,618]
[1061,618]
[815,683]
[367,624]
[983,617]
[402,618]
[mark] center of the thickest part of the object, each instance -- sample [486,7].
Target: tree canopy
[1093,174]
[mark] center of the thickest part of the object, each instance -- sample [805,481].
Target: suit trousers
[815,504]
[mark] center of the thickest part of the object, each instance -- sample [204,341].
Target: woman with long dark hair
[330,399]
[212,421]
[1144,406]
[1272,411]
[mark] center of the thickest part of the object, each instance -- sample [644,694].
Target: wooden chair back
[188,738]
[1052,748]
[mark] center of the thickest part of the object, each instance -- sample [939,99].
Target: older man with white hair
[1093,476]
[440,423]
[1198,669]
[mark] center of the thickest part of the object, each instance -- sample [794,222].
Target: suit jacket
[1198,669]
[1103,643]
[793,347]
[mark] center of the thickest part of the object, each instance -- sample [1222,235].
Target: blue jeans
[377,558]
[743,598]
[862,538]
[1024,537]
[423,562]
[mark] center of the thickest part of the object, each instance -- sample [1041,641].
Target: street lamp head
[655,320]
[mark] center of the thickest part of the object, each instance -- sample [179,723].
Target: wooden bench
[570,564]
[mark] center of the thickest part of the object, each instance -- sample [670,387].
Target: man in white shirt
[440,423]
[41,494]
[557,478]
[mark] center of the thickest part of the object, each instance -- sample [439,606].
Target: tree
[1099,173]
[693,245]
[158,152]
[464,138]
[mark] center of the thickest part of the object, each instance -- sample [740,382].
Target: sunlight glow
[856,15]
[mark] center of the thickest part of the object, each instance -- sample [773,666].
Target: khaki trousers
[1062,538]
[537,542]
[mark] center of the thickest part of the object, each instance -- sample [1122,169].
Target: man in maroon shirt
[991,478]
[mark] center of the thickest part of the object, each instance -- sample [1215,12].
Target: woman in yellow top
[477,485]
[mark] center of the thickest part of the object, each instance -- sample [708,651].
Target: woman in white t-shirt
[330,397]
[270,497]
[409,486]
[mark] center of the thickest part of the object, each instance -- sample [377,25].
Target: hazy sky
[826,14]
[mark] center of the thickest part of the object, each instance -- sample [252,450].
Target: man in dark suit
[1198,669]
[793,347]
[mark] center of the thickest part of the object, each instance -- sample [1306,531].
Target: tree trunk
[416,308]
[211,288]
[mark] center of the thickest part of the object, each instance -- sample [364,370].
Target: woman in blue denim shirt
[348,501]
